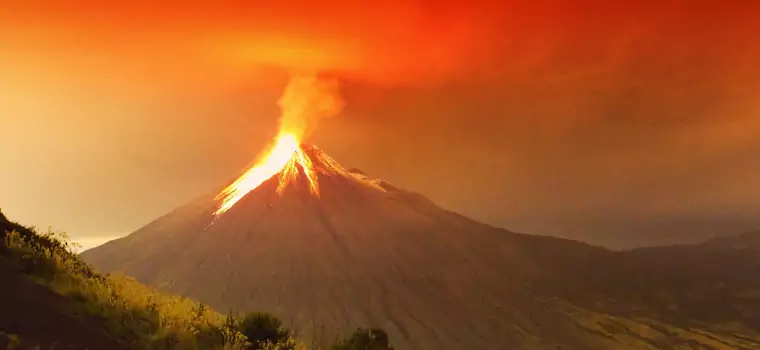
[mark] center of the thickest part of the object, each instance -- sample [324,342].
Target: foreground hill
[33,315]
[365,252]
[50,299]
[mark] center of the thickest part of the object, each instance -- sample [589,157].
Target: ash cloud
[401,42]
[395,41]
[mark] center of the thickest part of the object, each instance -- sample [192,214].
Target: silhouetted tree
[261,328]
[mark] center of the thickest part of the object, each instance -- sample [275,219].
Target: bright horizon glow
[91,242]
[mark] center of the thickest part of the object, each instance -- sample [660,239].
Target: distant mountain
[749,241]
[717,281]
[365,252]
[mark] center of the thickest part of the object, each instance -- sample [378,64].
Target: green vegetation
[11,340]
[142,318]
[50,283]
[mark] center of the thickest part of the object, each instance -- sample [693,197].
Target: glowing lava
[306,99]
[283,159]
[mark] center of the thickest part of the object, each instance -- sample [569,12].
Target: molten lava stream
[284,158]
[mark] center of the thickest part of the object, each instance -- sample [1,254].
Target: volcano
[362,252]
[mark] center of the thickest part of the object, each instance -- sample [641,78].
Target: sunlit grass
[130,310]
[143,317]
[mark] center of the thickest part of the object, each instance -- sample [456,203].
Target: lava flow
[306,99]
[283,159]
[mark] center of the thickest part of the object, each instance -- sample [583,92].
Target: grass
[646,333]
[142,317]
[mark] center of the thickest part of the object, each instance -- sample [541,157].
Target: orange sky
[619,123]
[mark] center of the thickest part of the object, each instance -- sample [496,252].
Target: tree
[262,328]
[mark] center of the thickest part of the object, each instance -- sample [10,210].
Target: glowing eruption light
[307,98]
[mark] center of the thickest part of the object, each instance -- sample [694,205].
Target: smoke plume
[307,99]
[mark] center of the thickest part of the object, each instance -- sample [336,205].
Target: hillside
[713,282]
[48,318]
[365,252]
[50,299]
[32,314]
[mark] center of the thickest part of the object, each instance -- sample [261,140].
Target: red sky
[624,123]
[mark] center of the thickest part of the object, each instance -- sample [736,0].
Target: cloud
[394,41]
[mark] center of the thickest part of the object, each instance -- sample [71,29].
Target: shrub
[365,339]
[262,328]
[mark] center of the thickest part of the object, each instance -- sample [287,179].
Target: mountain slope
[715,282]
[367,253]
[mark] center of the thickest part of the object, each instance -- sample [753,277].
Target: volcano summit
[333,249]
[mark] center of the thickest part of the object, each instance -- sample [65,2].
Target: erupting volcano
[328,249]
[361,253]
[307,98]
